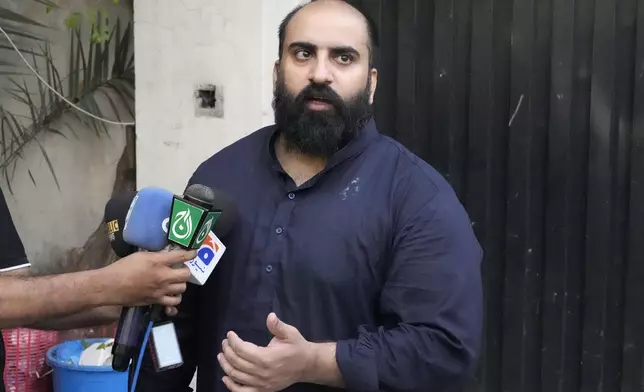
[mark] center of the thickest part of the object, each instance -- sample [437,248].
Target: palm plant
[99,79]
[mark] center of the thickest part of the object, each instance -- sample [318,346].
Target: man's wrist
[311,370]
[322,367]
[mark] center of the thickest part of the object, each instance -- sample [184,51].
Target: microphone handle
[127,336]
[156,311]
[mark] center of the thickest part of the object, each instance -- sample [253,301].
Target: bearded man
[352,265]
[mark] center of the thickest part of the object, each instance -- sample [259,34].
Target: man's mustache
[320,92]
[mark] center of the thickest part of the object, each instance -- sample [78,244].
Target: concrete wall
[50,221]
[181,45]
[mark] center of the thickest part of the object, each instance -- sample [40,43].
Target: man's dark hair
[372,30]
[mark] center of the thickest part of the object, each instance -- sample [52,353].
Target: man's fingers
[176,256]
[171,311]
[245,350]
[176,289]
[234,387]
[236,361]
[170,300]
[180,275]
[237,375]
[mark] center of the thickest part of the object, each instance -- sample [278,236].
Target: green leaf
[57,132]
[73,20]
[9,15]
[48,3]
[8,180]
[23,34]
[23,50]
[51,167]
[107,68]
[112,104]
[13,73]
[53,98]
[122,96]
[32,177]
[91,15]
[14,127]
[3,136]
[71,129]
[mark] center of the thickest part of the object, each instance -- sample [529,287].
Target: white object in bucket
[97,354]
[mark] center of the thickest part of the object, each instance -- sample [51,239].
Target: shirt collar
[367,134]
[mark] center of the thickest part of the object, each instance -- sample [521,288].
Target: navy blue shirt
[375,252]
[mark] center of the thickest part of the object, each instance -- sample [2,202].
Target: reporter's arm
[433,290]
[97,317]
[103,315]
[24,300]
[143,278]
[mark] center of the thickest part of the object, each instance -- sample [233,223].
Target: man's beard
[319,133]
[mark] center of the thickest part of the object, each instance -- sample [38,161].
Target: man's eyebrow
[303,45]
[345,50]
[312,48]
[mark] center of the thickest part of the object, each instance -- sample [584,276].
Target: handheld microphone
[145,221]
[142,228]
[145,227]
[158,220]
[212,224]
[192,217]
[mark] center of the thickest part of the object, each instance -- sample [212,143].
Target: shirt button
[291,195]
[278,230]
[269,268]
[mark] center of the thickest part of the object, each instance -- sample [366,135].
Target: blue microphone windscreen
[145,220]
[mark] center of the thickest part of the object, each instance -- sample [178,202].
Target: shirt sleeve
[433,291]
[12,251]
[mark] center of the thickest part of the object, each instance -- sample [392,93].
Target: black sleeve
[12,251]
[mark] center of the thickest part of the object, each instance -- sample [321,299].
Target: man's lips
[318,103]
[319,99]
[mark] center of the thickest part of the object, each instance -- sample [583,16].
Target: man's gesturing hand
[146,278]
[251,368]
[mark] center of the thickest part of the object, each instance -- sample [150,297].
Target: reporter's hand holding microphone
[145,278]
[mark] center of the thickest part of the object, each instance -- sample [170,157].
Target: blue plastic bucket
[68,376]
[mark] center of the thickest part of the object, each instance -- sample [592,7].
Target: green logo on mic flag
[207,226]
[184,222]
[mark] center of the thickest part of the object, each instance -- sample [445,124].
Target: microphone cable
[139,360]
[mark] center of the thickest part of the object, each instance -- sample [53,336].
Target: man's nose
[321,74]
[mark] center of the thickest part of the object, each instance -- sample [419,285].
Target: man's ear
[373,75]
[275,71]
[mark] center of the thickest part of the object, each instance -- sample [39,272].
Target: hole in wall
[209,101]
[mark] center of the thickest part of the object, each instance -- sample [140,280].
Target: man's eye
[345,58]
[302,55]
